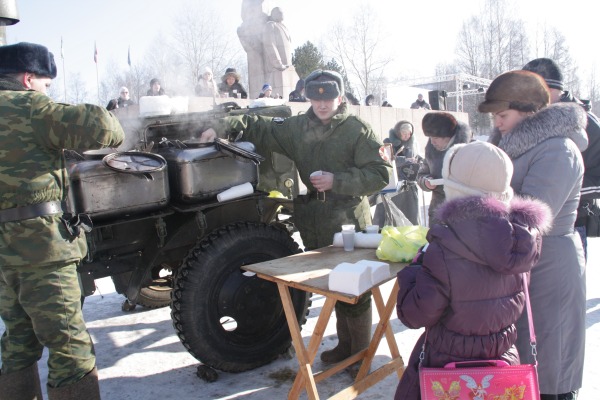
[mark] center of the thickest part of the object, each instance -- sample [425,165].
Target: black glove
[410,169]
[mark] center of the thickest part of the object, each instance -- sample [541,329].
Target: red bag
[482,379]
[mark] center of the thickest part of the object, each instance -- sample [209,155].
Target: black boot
[360,334]
[87,388]
[342,350]
[21,385]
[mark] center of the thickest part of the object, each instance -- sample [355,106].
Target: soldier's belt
[326,196]
[31,211]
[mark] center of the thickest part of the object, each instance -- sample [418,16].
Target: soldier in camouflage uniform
[39,247]
[347,152]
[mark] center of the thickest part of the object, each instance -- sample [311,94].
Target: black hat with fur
[27,57]
[233,72]
[439,124]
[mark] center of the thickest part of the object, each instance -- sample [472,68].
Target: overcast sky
[421,33]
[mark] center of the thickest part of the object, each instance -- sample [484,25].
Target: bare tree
[492,42]
[549,42]
[77,91]
[359,48]
[199,42]
[593,90]
[470,47]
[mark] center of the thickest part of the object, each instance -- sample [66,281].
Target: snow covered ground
[140,357]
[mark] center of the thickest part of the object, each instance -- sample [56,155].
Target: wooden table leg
[389,334]
[382,327]
[305,357]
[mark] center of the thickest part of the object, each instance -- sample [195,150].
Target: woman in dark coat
[231,86]
[468,292]
[405,146]
[444,131]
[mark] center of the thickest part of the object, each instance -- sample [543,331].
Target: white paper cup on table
[236,191]
[372,229]
[348,233]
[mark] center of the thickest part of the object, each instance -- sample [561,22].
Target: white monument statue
[268,46]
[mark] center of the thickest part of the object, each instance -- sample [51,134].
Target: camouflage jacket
[33,132]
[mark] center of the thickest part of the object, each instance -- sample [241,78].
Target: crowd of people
[487,230]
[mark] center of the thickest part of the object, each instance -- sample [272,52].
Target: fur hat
[548,70]
[463,167]
[27,57]
[324,85]
[266,87]
[516,90]
[439,124]
[233,72]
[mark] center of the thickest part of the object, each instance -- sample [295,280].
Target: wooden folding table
[309,271]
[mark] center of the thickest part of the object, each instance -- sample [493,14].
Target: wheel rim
[247,306]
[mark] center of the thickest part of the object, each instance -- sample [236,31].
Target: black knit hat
[548,70]
[27,57]
[324,85]
[439,124]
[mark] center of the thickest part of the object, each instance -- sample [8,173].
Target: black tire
[156,294]
[212,293]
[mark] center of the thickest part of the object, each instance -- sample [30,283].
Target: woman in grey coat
[544,143]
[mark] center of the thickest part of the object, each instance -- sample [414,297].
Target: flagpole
[62,55]
[97,83]
[97,76]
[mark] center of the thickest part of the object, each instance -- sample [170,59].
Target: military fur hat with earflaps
[27,57]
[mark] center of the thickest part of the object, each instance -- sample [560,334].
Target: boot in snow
[87,388]
[21,385]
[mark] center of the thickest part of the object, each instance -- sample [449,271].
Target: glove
[410,169]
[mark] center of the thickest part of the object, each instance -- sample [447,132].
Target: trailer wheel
[227,318]
[155,294]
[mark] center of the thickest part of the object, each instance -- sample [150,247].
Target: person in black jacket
[298,94]
[590,189]
[120,102]
[230,85]
[155,88]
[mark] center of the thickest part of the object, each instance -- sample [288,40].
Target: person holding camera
[443,131]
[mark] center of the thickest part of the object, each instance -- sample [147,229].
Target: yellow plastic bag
[401,244]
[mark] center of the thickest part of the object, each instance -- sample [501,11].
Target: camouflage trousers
[41,307]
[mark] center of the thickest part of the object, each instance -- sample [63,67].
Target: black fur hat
[439,124]
[27,57]
[548,70]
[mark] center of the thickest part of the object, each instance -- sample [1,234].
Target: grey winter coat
[545,149]
[469,293]
[432,168]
